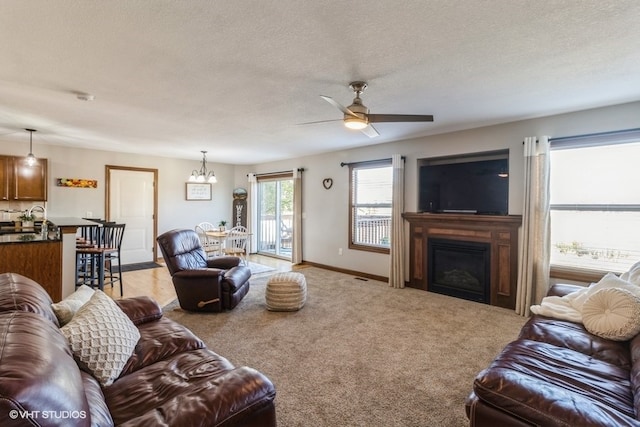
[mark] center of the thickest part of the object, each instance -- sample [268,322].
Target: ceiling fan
[357,116]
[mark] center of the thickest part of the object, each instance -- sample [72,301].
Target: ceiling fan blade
[319,121]
[370,131]
[345,110]
[381,118]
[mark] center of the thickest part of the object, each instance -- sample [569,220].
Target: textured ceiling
[237,77]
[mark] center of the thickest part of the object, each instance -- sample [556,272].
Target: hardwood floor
[156,282]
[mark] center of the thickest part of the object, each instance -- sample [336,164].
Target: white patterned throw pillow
[67,308]
[102,337]
[612,313]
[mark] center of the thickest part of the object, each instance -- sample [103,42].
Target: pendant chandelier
[31,159]
[203,175]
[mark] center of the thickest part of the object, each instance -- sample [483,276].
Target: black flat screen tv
[473,185]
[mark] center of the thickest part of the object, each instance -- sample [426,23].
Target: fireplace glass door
[459,269]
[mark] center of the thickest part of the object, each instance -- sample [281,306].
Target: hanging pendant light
[31,159]
[203,175]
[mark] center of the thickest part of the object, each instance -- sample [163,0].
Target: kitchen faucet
[42,208]
[44,227]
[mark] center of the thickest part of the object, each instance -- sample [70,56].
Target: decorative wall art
[77,183]
[239,207]
[327,183]
[198,191]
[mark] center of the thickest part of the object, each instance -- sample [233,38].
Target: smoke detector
[85,97]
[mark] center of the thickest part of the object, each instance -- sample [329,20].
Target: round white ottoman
[286,292]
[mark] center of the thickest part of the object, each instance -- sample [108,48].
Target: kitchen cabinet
[19,181]
[5,173]
[40,260]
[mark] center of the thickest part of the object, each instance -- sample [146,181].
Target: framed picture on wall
[198,191]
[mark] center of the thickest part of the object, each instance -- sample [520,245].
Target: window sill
[369,248]
[576,274]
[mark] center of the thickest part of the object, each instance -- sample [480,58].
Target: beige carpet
[360,353]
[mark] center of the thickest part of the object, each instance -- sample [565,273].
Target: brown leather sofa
[202,284]
[558,374]
[171,379]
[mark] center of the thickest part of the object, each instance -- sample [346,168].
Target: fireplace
[500,232]
[459,268]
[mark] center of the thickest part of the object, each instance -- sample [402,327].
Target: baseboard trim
[346,271]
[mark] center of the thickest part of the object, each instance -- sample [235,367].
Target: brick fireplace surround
[500,232]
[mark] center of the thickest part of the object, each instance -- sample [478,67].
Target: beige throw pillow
[612,313]
[102,337]
[67,308]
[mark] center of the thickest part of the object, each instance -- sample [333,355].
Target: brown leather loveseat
[171,378]
[558,374]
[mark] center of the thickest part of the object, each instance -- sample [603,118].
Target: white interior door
[131,201]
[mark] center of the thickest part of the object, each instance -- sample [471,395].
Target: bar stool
[112,259]
[88,238]
[96,253]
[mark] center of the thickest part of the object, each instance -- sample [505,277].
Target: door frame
[276,178]
[107,197]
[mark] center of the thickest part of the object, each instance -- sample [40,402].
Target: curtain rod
[278,173]
[343,164]
[594,135]
[630,132]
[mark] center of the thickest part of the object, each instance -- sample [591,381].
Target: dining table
[220,236]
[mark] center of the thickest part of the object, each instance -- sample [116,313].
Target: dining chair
[212,247]
[235,243]
[207,226]
[286,235]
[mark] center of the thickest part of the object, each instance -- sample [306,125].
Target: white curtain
[253,212]
[296,255]
[533,269]
[396,268]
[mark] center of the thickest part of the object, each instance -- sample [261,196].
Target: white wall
[173,210]
[325,220]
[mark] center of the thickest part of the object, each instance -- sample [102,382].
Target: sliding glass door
[275,216]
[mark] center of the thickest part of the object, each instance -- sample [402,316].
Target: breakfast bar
[46,257]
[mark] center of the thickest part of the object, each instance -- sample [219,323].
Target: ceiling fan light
[355,123]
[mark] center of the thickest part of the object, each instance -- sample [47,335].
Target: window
[371,192]
[595,203]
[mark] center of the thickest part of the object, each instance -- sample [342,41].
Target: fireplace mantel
[501,232]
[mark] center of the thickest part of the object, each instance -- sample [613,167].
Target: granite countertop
[21,235]
[70,222]
[26,238]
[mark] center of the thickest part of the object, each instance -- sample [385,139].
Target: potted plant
[222,225]
[27,220]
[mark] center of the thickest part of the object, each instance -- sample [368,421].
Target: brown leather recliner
[202,284]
